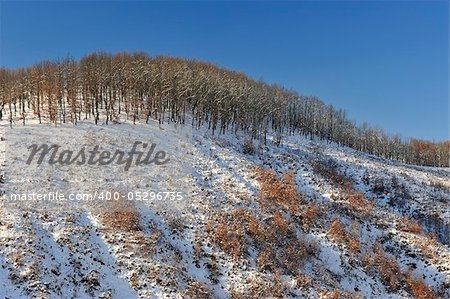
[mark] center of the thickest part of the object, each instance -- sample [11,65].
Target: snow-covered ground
[205,245]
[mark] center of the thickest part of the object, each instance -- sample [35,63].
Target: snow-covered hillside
[300,219]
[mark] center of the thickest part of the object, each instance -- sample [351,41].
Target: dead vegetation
[279,192]
[310,216]
[410,226]
[356,200]
[387,267]
[121,215]
[359,203]
[197,290]
[339,234]
[418,288]
[329,171]
[338,294]
[227,232]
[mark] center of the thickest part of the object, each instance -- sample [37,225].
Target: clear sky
[385,62]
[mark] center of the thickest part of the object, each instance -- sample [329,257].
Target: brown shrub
[427,245]
[258,286]
[338,234]
[266,260]
[336,294]
[353,246]
[230,239]
[418,288]
[278,285]
[197,290]
[359,203]
[337,231]
[261,235]
[310,216]
[388,268]
[281,192]
[240,214]
[410,226]
[253,225]
[303,282]
[280,224]
[122,216]
[292,256]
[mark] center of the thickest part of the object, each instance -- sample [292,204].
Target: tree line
[103,86]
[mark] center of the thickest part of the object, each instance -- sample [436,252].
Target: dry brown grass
[339,234]
[266,260]
[280,224]
[230,238]
[387,267]
[282,192]
[359,203]
[197,290]
[310,216]
[121,216]
[410,226]
[418,288]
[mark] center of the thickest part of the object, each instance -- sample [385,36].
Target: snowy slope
[240,231]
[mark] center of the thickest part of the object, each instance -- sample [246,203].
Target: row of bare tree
[103,86]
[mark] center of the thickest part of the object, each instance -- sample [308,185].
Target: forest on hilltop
[102,86]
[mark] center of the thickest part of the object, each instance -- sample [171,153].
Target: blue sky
[385,62]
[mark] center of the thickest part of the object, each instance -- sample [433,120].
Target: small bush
[292,257]
[122,216]
[338,233]
[281,192]
[427,245]
[280,224]
[388,268]
[359,203]
[197,290]
[418,288]
[230,239]
[410,226]
[310,216]
[248,148]
[266,260]
[303,282]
